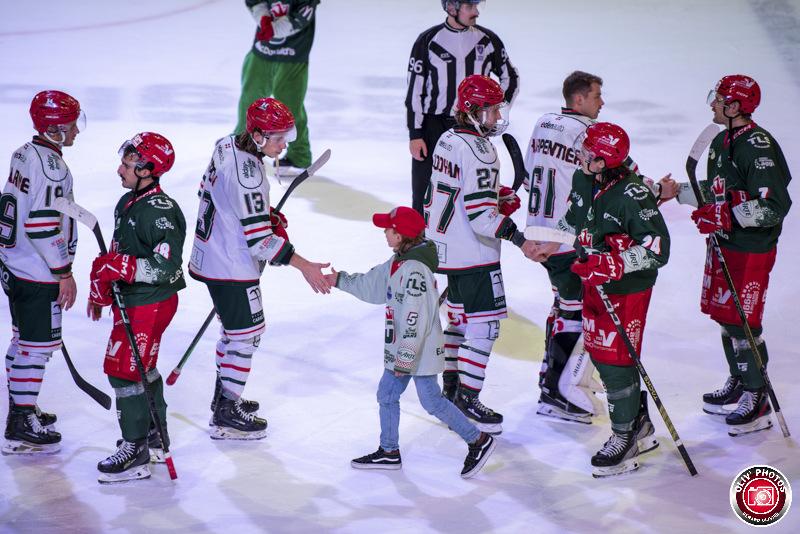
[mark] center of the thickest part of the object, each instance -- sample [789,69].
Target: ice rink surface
[173,67]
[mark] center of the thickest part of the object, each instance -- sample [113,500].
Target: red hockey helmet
[53,108]
[477,91]
[738,88]
[269,115]
[153,151]
[604,140]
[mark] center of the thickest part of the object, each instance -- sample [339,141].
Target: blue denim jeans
[430,396]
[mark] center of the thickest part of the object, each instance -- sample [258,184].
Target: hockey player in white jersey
[566,377]
[466,221]
[37,246]
[237,234]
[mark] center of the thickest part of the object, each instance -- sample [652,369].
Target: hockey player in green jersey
[747,188]
[145,263]
[617,222]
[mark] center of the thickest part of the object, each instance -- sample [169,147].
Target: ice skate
[25,434]
[560,408]
[249,406]
[617,456]
[715,403]
[379,459]
[645,432]
[232,422]
[486,419]
[130,462]
[478,454]
[154,444]
[751,415]
[46,419]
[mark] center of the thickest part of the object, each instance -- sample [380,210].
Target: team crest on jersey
[480,51]
[160,203]
[250,176]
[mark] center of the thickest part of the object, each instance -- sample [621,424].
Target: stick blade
[75,211]
[703,141]
[322,160]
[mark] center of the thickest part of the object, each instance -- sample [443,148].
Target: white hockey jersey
[461,201]
[233,232]
[37,243]
[551,161]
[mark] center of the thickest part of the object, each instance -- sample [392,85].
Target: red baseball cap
[406,221]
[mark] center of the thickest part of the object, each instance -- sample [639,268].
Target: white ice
[173,67]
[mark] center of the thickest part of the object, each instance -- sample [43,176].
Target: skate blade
[137,473]
[481,463]
[716,409]
[385,467]
[647,444]
[555,413]
[624,467]
[23,447]
[220,432]
[157,456]
[762,423]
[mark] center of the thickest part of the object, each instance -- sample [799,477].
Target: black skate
[450,387]
[751,415]
[560,408]
[130,462]
[25,434]
[249,406]
[232,422]
[478,453]
[617,456]
[486,419]
[379,459]
[714,403]
[154,444]
[645,438]
[46,419]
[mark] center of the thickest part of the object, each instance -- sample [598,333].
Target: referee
[442,56]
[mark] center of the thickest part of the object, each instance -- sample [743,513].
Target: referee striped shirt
[442,56]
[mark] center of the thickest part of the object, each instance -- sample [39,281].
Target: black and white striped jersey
[443,56]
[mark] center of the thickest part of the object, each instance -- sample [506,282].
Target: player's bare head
[270,126]
[463,13]
[57,117]
[583,93]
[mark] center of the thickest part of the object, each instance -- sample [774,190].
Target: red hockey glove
[713,217]
[114,266]
[508,201]
[619,242]
[265,31]
[599,268]
[100,293]
[279,223]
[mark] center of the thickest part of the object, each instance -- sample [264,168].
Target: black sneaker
[478,453]
[751,415]
[617,456]
[714,402]
[379,459]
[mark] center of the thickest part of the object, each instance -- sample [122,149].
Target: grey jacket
[414,342]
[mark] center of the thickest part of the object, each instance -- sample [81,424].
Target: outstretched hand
[332,277]
[669,188]
[312,272]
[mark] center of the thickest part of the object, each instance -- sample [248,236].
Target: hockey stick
[703,141]
[83,216]
[567,238]
[99,397]
[516,159]
[302,177]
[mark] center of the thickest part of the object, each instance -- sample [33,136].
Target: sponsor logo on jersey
[446,146]
[416,285]
[53,162]
[19,155]
[480,51]
[550,126]
[482,145]
[647,214]
[446,56]
[576,198]
[160,203]
[636,191]
[412,318]
[712,153]
[162,223]
[758,140]
[250,176]
[445,166]
[608,217]
[764,163]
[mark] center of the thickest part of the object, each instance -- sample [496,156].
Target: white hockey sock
[453,336]
[474,352]
[25,377]
[234,366]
